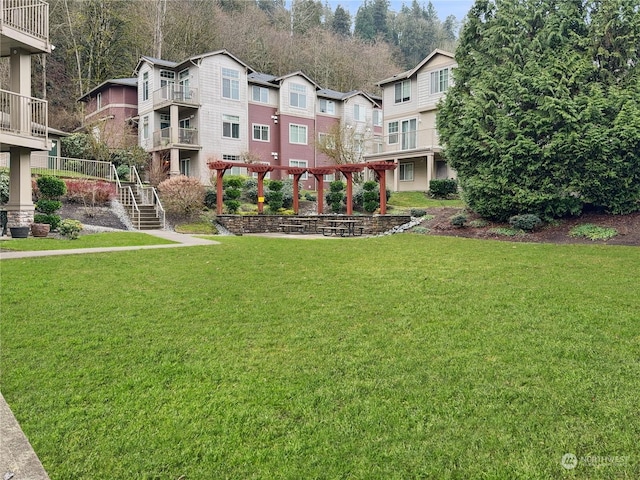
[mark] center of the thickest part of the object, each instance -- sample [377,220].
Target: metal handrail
[126,196]
[148,194]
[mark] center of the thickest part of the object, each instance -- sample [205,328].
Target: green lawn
[95,240]
[399,357]
[404,200]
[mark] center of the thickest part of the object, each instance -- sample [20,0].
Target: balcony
[187,138]
[24,24]
[23,121]
[175,94]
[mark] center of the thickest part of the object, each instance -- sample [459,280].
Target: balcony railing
[186,136]
[175,94]
[44,164]
[30,17]
[22,115]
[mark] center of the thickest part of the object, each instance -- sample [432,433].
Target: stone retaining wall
[373,225]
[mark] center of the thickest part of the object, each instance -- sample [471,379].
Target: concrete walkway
[18,461]
[182,240]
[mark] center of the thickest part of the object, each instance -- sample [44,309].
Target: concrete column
[396,176]
[174,166]
[20,68]
[175,125]
[20,207]
[430,168]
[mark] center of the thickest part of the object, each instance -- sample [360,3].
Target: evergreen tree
[530,125]
[341,22]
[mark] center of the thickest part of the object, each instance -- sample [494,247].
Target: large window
[183,80]
[359,113]
[377,117]
[406,172]
[145,86]
[98,101]
[440,81]
[261,132]
[393,132]
[185,164]
[230,84]
[230,126]
[299,163]
[260,94]
[145,127]
[409,134]
[327,106]
[167,77]
[298,134]
[403,91]
[298,95]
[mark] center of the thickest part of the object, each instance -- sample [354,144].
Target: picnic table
[343,228]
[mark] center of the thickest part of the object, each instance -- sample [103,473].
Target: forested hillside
[97,40]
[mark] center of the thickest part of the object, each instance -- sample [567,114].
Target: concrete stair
[148,218]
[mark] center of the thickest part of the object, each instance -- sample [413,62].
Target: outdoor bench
[332,230]
[289,227]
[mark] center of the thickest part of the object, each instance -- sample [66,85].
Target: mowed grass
[400,357]
[95,240]
[405,200]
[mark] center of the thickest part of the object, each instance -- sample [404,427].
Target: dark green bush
[232,206]
[275,196]
[418,212]
[210,198]
[335,196]
[458,220]
[526,222]
[46,206]
[371,196]
[51,187]
[51,219]
[443,188]
[309,197]
[123,172]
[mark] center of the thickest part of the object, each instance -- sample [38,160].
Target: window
[377,118]
[409,134]
[260,94]
[145,86]
[298,96]
[298,134]
[231,158]
[184,166]
[230,126]
[377,144]
[261,132]
[183,79]
[439,81]
[406,172]
[359,113]
[230,84]
[327,106]
[299,163]
[393,132]
[327,141]
[145,127]
[98,101]
[167,77]
[403,91]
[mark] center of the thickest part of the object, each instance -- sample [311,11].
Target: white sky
[457,8]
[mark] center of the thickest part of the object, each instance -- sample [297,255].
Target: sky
[457,8]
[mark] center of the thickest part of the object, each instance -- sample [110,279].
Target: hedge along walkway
[181,239]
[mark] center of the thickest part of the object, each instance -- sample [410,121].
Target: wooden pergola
[347,170]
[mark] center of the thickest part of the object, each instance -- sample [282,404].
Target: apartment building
[24,31]
[410,102]
[215,107]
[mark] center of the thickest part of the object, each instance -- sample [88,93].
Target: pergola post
[319,173]
[380,170]
[262,171]
[348,170]
[297,173]
[220,168]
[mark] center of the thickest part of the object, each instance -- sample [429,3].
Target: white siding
[285,89]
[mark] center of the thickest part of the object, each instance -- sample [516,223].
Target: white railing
[176,93]
[44,164]
[186,136]
[27,16]
[22,115]
[147,194]
[127,198]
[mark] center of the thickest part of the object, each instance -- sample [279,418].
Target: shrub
[506,232]
[182,195]
[232,193]
[443,188]
[233,181]
[70,228]
[593,232]
[46,206]
[418,212]
[4,187]
[250,190]
[309,197]
[335,196]
[527,222]
[420,229]
[123,172]
[371,196]
[89,192]
[479,223]
[458,220]
[51,187]
[51,219]
[275,197]
[210,198]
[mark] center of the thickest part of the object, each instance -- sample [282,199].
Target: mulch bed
[628,227]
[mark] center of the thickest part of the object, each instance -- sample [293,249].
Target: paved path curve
[183,240]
